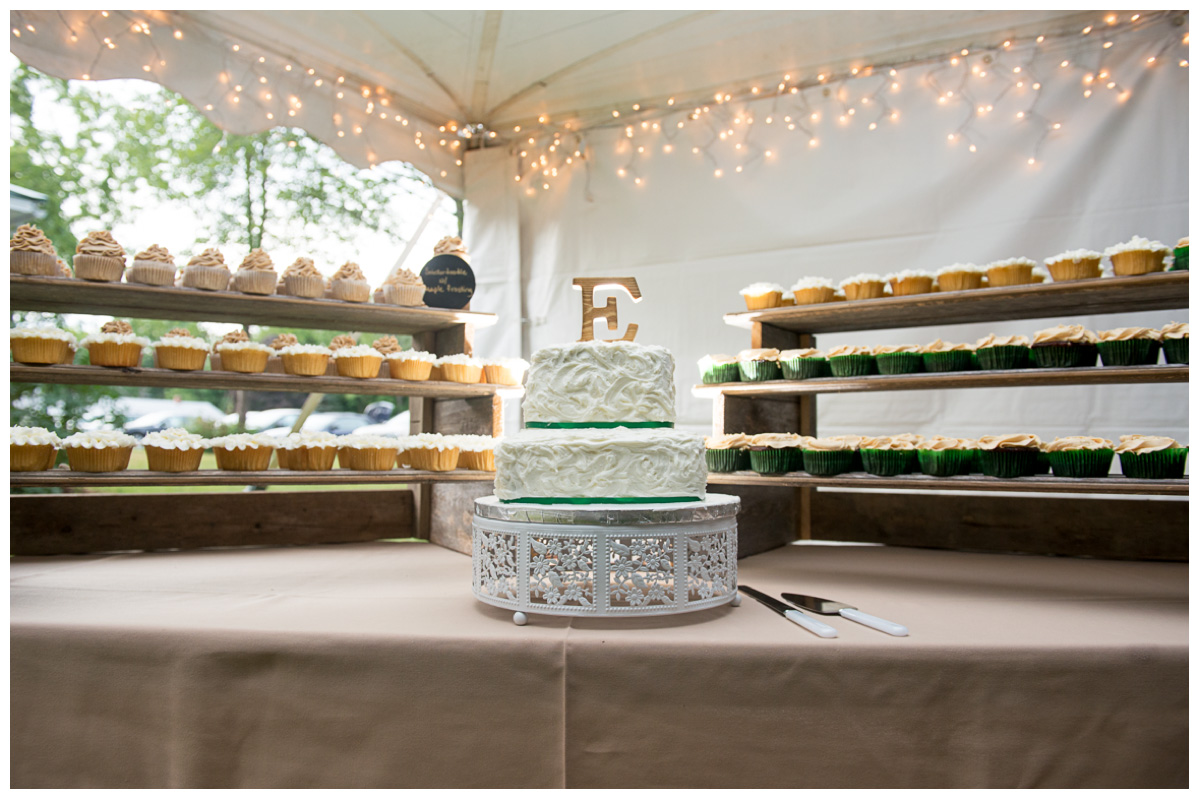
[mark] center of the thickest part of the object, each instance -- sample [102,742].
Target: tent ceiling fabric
[497,68]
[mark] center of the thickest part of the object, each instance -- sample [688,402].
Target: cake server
[819,605]
[787,612]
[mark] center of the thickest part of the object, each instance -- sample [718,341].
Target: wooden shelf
[975,379]
[70,296]
[80,374]
[217,477]
[1162,290]
[1114,484]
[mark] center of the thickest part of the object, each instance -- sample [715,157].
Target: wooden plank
[975,379]
[1114,484]
[217,477]
[1162,290]
[64,296]
[81,374]
[452,507]
[1105,528]
[768,517]
[50,524]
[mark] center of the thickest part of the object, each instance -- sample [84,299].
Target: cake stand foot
[736,601]
[519,618]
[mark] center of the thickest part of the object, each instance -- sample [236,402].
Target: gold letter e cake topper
[609,312]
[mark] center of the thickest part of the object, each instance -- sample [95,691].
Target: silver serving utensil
[819,605]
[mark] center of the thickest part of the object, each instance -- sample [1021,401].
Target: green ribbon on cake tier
[599,424]
[593,501]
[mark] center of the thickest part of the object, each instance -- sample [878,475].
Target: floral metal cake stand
[605,560]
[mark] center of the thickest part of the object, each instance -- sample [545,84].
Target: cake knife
[786,611]
[819,605]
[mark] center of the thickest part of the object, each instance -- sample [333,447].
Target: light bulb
[1031,161]
[971,148]
[717,173]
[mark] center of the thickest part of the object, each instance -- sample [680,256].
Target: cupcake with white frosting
[1010,272]
[762,295]
[41,344]
[865,286]
[355,360]
[410,365]
[244,452]
[304,359]
[174,450]
[31,449]
[307,450]
[116,345]
[432,452]
[154,266]
[239,353]
[361,451]
[460,368]
[1138,256]
[1074,265]
[504,371]
[809,291]
[98,451]
[910,281]
[206,271]
[960,278]
[179,349]
[98,257]
[31,253]
[475,452]
[256,274]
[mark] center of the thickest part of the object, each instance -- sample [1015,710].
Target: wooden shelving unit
[65,478]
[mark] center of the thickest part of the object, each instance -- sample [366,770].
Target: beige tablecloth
[373,665]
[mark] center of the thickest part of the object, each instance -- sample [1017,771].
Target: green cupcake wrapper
[943,463]
[722,460]
[950,361]
[721,373]
[755,371]
[1081,463]
[1181,259]
[801,369]
[853,366]
[1129,352]
[1161,464]
[1008,463]
[887,462]
[1043,463]
[899,363]
[1070,355]
[1015,356]
[774,461]
[1176,350]
[827,462]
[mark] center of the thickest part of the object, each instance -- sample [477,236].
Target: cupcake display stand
[783,508]
[634,560]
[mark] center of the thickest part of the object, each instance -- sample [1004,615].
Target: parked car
[178,415]
[268,418]
[335,422]
[396,426]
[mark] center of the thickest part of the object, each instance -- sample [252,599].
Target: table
[372,665]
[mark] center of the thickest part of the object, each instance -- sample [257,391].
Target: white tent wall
[901,196]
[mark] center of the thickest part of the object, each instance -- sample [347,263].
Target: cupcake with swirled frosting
[775,453]
[239,353]
[31,449]
[173,450]
[1002,352]
[98,451]
[154,266]
[206,271]
[116,345]
[942,456]
[99,258]
[41,344]
[759,364]
[1123,347]
[851,361]
[179,349]
[349,284]
[1151,457]
[898,359]
[828,456]
[803,363]
[1175,342]
[31,253]
[727,453]
[939,356]
[402,288]
[302,279]
[1064,346]
[887,456]
[1080,456]
[256,274]
[1012,455]
[451,246]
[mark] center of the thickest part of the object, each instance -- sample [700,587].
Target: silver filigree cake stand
[605,560]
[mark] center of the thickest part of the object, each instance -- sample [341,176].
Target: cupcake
[244,452]
[173,450]
[178,349]
[1002,352]
[256,275]
[98,257]
[1064,346]
[898,359]
[886,456]
[281,340]
[1011,456]
[939,356]
[306,359]
[307,451]
[432,452]
[866,286]
[386,345]
[410,365]
[809,291]
[805,363]
[759,364]
[475,452]
[1138,256]
[366,452]
[1151,457]
[1074,265]
[827,457]
[1181,255]
[355,360]
[206,271]
[848,361]
[942,456]
[451,246]
[63,270]
[910,281]
[851,441]
[302,279]
[719,368]
[727,453]
[31,253]
[1123,347]
[41,344]
[116,345]
[762,295]
[504,371]
[154,266]
[403,288]
[349,284]
[98,451]
[460,368]
[1010,272]
[31,449]
[239,354]
[959,278]
[775,453]
[789,300]
[1080,456]
[1175,342]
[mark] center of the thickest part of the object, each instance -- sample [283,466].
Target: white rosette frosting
[221,346]
[412,355]
[311,349]
[1135,244]
[190,342]
[367,441]
[307,439]
[459,358]
[244,441]
[22,435]
[41,332]
[357,351]
[99,440]
[757,289]
[115,338]
[175,439]
[601,382]
[472,443]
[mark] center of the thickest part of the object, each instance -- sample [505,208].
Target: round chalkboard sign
[449,282]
